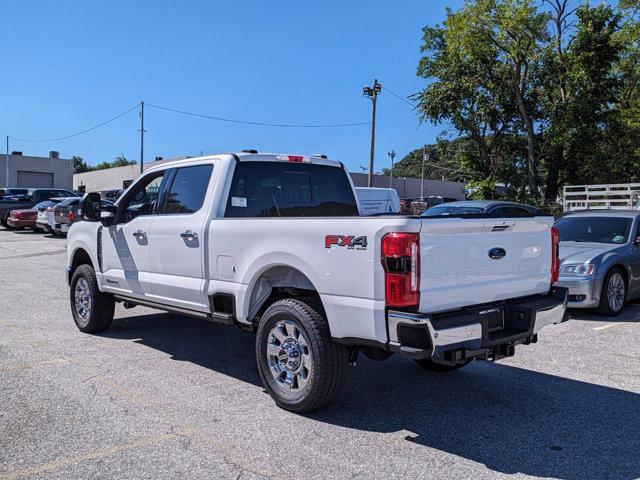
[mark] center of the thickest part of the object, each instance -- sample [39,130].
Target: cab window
[188,189]
[142,199]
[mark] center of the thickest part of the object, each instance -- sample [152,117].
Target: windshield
[445,209]
[594,229]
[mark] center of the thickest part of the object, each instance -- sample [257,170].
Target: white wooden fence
[621,196]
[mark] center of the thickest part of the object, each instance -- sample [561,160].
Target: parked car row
[55,212]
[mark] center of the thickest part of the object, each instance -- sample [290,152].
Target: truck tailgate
[457,268]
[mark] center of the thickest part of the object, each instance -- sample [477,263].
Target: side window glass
[188,189]
[143,198]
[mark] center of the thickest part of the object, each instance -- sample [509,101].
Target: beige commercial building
[18,170]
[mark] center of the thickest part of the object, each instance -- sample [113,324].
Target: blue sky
[69,65]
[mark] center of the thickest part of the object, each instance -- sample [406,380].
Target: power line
[263,124]
[399,97]
[77,133]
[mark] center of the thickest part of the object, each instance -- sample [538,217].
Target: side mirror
[108,214]
[91,207]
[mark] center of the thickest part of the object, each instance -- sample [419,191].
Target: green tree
[122,161]
[79,165]
[546,94]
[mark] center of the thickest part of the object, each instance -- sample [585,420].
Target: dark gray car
[487,207]
[600,258]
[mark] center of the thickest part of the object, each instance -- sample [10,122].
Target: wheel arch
[273,282]
[79,256]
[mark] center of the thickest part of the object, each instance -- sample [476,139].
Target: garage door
[34,179]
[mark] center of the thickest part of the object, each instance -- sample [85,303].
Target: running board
[225,318]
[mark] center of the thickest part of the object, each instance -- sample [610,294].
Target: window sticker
[238,201]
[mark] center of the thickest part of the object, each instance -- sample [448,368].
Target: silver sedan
[600,258]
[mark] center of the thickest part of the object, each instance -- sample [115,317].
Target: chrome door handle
[189,235]
[139,234]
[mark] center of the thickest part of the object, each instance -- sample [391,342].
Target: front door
[126,243]
[177,275]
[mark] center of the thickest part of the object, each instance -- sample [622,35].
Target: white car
[45,218]
[378,200]
[275,245]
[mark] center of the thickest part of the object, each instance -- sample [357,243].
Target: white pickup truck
[274,244]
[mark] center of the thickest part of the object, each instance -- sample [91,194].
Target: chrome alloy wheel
[616,292]
[288,355]
[83,299]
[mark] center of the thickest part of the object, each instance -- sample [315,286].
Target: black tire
[327,375]
[605,308]
[101,307]
[4,223]
[432,366]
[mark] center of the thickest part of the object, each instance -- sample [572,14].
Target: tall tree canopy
[546,93]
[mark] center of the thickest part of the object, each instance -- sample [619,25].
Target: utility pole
[425,156]
[391,154]
[6,165]
[372,93]
[141,137]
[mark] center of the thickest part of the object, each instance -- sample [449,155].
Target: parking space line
[29,366]
[229,453]
[606,327]
[91,455]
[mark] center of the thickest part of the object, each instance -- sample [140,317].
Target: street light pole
[372,93]
[6,165]
[391,154]
[425,155]
[141,137]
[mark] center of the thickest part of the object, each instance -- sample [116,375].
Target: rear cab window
[279,189]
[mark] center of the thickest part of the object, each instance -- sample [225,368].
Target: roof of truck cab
[247,157]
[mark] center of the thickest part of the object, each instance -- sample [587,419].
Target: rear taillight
[555,254]
[401,262]
[72,215]
[17,215]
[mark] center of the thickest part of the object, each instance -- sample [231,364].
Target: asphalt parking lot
[163,396]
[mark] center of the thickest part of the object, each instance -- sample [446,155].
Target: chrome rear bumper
[487,331]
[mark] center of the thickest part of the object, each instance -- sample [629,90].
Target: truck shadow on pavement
[510,419]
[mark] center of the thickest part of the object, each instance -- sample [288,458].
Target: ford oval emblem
[496,253]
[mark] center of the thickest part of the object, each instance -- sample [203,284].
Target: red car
[22,219]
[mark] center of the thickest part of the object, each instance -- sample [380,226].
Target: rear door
[176,239]
[470,261]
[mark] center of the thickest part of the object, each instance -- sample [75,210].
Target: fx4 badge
[349,241]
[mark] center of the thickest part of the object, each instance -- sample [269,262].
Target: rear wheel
[92,310]
[613,294]
[432,366]
[301,367]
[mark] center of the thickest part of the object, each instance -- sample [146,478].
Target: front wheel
[613,294]
[92,310]
[301,367]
